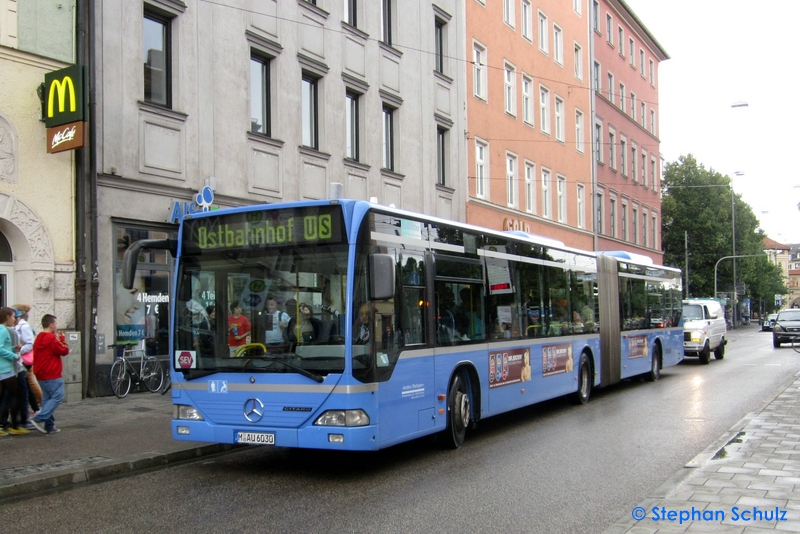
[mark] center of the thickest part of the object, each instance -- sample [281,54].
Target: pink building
[625,131]
[547,153]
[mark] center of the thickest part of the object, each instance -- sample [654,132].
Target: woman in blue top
[8,377]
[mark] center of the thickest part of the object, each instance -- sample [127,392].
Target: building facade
[627,157]
[263,102]
[529,109]
[37,189]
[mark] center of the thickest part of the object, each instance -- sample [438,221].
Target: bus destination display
[263,229]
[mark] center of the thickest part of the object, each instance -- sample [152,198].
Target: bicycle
[123,371]
[167,382]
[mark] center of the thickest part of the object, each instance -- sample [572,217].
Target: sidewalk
[100,438]
[747,481]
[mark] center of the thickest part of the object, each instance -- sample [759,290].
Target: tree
[698,203]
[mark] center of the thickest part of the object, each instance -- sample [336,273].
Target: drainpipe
[595,157]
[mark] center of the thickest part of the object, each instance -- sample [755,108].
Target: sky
[723,52]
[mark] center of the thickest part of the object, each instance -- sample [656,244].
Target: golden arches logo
[61,87]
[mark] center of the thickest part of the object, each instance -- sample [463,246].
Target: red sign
[186,360]
[66,137]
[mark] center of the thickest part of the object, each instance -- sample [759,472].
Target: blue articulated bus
[342,324]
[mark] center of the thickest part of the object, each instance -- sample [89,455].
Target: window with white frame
[560,119]
[510,88]
[581,206]
[558,45]
[599,220]
[633,106]
[578,61]
[652,73]
[644,228]
[612,217]
[654,173]
[440,38]
[635,226]
[598,142]
[634,162]
[576,6]
[530,187]
[632,52]
[596,15]
[561,197]
[157,52]
[546,212]
[508,12]
[654,231]
[352,123]
[511,180]
[481,168]
[644,168]
[544,109]
[622,97]
[387,16]
[611,87]
[526,16]
[441,156]
[527,99]
[479,71]
[653,121]
[543,33]
[310,113]
[351,12]
[641,62]
[609,29]
[579,139]
[612,149]
[620,40]
[623,155]
[624,221]
[260,95]
[387,151]
[596,77]
[643,114]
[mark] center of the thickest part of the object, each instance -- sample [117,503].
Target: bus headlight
[181,411]
[343,418]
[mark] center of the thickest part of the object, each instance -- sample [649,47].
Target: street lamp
[735,311]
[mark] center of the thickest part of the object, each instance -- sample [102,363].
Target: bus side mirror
[131,257]
[381,276]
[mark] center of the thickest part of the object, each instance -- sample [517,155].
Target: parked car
[786,327]
[704,329]
[769,321]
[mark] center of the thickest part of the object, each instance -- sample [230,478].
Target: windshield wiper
[304,372]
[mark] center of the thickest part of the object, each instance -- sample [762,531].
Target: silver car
[769,322]
[786,327]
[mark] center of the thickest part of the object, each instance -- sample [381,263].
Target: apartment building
[529,116]
[264,102]
[627,159]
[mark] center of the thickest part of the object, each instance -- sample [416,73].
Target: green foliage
[697,212]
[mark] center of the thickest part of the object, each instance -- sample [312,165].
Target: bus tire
[584,381]
[705,354]
[655,365]
[458,412]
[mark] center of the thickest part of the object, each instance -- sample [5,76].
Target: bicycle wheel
[152,374]
[120,379]
[167,383]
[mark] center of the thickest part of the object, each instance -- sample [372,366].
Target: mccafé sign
[64,108]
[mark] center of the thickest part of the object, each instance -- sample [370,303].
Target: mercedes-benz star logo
[253,410]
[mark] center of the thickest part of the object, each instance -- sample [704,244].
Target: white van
[704,329]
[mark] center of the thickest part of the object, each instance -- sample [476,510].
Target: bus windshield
[275,310]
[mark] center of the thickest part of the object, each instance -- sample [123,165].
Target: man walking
[47,366]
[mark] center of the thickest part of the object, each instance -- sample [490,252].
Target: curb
[27,485]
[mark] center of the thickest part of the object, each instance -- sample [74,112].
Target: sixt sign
[64,96]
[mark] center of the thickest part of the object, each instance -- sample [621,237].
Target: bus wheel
[458,410]
[655,366]
[584,381]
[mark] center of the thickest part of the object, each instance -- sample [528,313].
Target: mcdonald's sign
[64,96]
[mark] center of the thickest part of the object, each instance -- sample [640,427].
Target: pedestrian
[238,329]
[27,335]
[8,374]
[48,349]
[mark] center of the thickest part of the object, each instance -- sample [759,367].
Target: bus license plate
[255,438]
